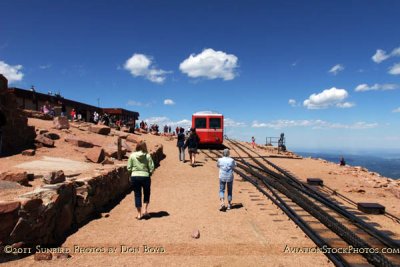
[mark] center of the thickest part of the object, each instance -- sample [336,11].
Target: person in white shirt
[226,165]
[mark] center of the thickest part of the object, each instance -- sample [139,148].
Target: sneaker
[222,207]
[229,207]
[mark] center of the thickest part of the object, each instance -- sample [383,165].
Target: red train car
[209,127]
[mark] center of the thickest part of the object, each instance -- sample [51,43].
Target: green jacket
[140,164]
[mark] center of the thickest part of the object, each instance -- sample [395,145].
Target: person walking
[141,166]
[192,143]
[226,165]
[181,144]
[253,142]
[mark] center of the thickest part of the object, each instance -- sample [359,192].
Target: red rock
[112,152]
[95,155]
[54,177]
[19,177]
[62,255]
[100,129]
[125,145]
[78,142]
[196,234]
[121,134]
[61,123]
[107,161]
[28,152]
[143,131]
[133,138]
[395,191]
[31,204]
[9,206]
[44,140]
[43,256]
[42,131]
[52,136]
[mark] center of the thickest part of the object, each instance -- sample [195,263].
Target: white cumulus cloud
[396,52]
[161,121]
[336,69]
[169,102]
[313,124]
[292,102]
[12,73]
[395,69]
[137,103]
[228,122]
[379,56]
[210,64]
[376,87]
[396,110]
[327,98]
[142,65]
[345,105]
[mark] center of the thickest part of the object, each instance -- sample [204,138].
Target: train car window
[215,123]
[200,123]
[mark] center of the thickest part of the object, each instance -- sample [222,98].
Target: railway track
[331,226]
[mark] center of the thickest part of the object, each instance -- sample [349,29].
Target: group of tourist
[192,143]
[141,167]
[167,129]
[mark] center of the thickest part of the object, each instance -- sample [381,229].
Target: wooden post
[119,149]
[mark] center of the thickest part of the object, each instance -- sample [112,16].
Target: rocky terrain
[73,179]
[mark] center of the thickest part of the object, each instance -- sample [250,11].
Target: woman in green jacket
[141,166]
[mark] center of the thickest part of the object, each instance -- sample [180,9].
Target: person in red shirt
[73,114]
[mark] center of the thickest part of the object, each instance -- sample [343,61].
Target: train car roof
[207,113]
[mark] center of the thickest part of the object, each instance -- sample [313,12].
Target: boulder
[95,155]
[44,140]
[52,136]
[9,206]
[19,177]
[100,129]
[107,161]
[30,204]
[42,131]
[54,177]
[61,123]
[133,138]
[112,151]
[125,145]
[121,134]
[78,142]
[28,152]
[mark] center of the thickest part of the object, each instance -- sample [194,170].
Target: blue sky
[326,73]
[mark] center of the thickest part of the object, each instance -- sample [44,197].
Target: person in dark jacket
[192,143]
[180,144]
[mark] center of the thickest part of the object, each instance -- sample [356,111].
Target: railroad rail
[286,191]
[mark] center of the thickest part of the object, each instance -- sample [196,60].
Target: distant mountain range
[388,167]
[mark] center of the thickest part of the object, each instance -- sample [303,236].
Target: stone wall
[48,214]
[17,135]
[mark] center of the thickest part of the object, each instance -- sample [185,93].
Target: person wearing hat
[226,165]
[192,143]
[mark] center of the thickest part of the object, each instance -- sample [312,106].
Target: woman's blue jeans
[222,186]
[138,183]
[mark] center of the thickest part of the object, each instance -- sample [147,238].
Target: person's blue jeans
[139,183]
[222,185]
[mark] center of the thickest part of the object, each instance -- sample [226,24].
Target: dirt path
[183,199]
